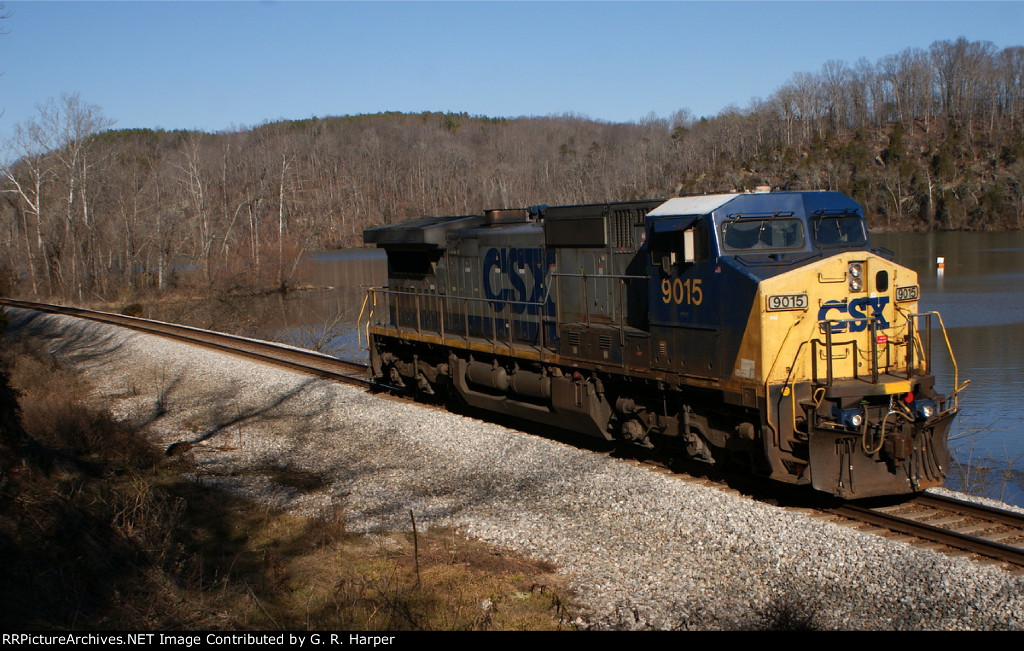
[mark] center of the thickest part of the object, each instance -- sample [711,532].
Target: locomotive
[758,328]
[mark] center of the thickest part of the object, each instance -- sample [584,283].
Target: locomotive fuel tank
[754,327]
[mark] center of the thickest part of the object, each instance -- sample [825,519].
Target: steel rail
[304,361]
[971,509]
[950,537]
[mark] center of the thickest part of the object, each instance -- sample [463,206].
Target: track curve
[956,524]
[305,361]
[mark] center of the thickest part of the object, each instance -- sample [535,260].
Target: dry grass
[100,531]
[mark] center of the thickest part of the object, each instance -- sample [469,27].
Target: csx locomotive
[754,327]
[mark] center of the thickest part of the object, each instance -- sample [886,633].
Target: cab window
[679,248]
[762,235]
[838,230]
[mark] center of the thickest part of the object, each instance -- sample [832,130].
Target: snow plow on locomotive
[755,326]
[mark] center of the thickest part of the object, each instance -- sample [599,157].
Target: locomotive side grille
[622,229]
[605,342]
[574,338]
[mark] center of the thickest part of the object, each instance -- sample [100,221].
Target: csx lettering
[857,310]
[521,294]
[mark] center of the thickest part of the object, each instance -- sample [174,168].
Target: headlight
[850,418]
[856,273]
[924,408]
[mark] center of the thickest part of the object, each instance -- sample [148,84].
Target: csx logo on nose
[856,310]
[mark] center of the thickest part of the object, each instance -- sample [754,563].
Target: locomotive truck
[758,328]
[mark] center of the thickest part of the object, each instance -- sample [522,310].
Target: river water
[979,293]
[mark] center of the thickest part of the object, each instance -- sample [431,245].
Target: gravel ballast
[643,550]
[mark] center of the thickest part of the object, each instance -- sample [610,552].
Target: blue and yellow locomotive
[758,327]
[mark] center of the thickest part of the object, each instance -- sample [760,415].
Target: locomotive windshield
[763,235]
[838,230]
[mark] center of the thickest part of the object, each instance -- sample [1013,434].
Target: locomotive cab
[832,349]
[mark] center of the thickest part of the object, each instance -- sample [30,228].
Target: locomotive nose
[860,393]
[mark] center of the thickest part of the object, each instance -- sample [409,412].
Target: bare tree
[53,149]
[29,175]
[958,65]
[836,77]
[74,124]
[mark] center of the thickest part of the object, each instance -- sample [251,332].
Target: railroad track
[305,361]
[954,524]
[949,525]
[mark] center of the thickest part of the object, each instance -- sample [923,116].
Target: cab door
[682,297]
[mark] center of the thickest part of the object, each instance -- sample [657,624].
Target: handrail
[533,312]
[608,276]
[912,341]
[522,313]
[957,387]
[399,292]
[360,333]
[826,327]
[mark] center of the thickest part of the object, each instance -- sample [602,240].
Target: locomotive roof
[700,205]
[428,231]
[802,203]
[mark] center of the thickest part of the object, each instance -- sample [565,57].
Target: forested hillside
[924,139]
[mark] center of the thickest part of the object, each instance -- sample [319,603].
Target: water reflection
[323,318]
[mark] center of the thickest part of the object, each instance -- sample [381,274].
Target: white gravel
[644,550]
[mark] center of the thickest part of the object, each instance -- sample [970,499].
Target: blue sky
[219,65]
